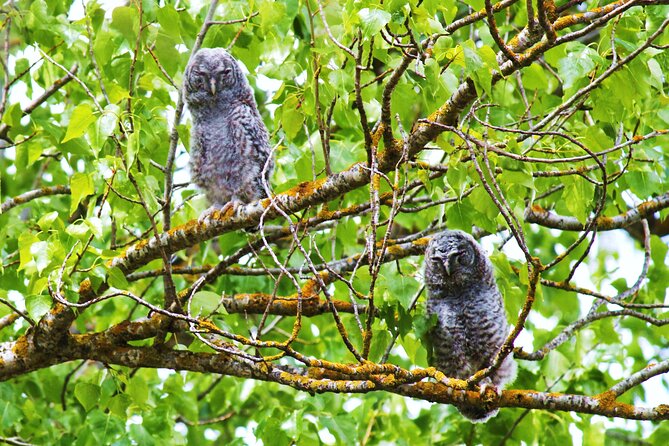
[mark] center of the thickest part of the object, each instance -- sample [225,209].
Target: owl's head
[454,258]
[211,75]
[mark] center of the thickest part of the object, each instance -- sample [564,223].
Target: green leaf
[95,225]
[12,116]
[380,342]
[457,178]
[133,147]
[119,404]
[104,47]
[606,332]
[117,278]
[373,20]
[40,254]
[35,152]
[141,436]
[510,177]
[87,394]
[534,77]
[107,123]
[25,241]
[660,435]
[656,72]
[125,20]
[443,44]
[596,140]
[81,185]
[479,65]
[38,305]
[138,390]
[47,220]
[578,198]
[168,17]
[291,117]
[167,53]
[580,61]
[271,13]
[206,302]
[82,117]
[422,324]
[460,215]
[418,352]
[78,230]
[342,427]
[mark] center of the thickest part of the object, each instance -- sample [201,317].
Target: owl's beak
[447,266]
[447,261]
[212,86]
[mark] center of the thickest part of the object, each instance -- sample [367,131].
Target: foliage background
[107,135]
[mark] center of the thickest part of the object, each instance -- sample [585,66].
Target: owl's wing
[253,139]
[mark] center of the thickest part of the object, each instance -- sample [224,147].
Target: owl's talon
[233,204]
[489,386]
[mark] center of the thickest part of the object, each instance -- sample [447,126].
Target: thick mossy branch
[258,303]
[107,348]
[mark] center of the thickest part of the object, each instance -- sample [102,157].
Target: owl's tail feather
[476,414]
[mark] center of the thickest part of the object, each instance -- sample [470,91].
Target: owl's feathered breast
[231,148]
[470,328]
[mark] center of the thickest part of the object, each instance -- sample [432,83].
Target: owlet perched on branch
[471,321]
[230,153]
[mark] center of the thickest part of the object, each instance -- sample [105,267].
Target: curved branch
[33,194]
[639,377]
[364,379]
[572,328]
[296,199]
[394,251]
[388,139]
[233,21]
[474,17]
[536,214]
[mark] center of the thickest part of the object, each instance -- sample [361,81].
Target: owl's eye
[464,258]
[438,256]
[196,80]
[225,73]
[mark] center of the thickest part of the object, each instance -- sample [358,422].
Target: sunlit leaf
[82,117]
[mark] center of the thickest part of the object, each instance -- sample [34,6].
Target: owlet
[230,157]
[471,321]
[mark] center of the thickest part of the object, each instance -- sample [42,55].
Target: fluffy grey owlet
[471,321]
[230,153]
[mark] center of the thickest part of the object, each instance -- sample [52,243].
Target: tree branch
[359,379]
[33,194]
[536,214]
[57,85]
